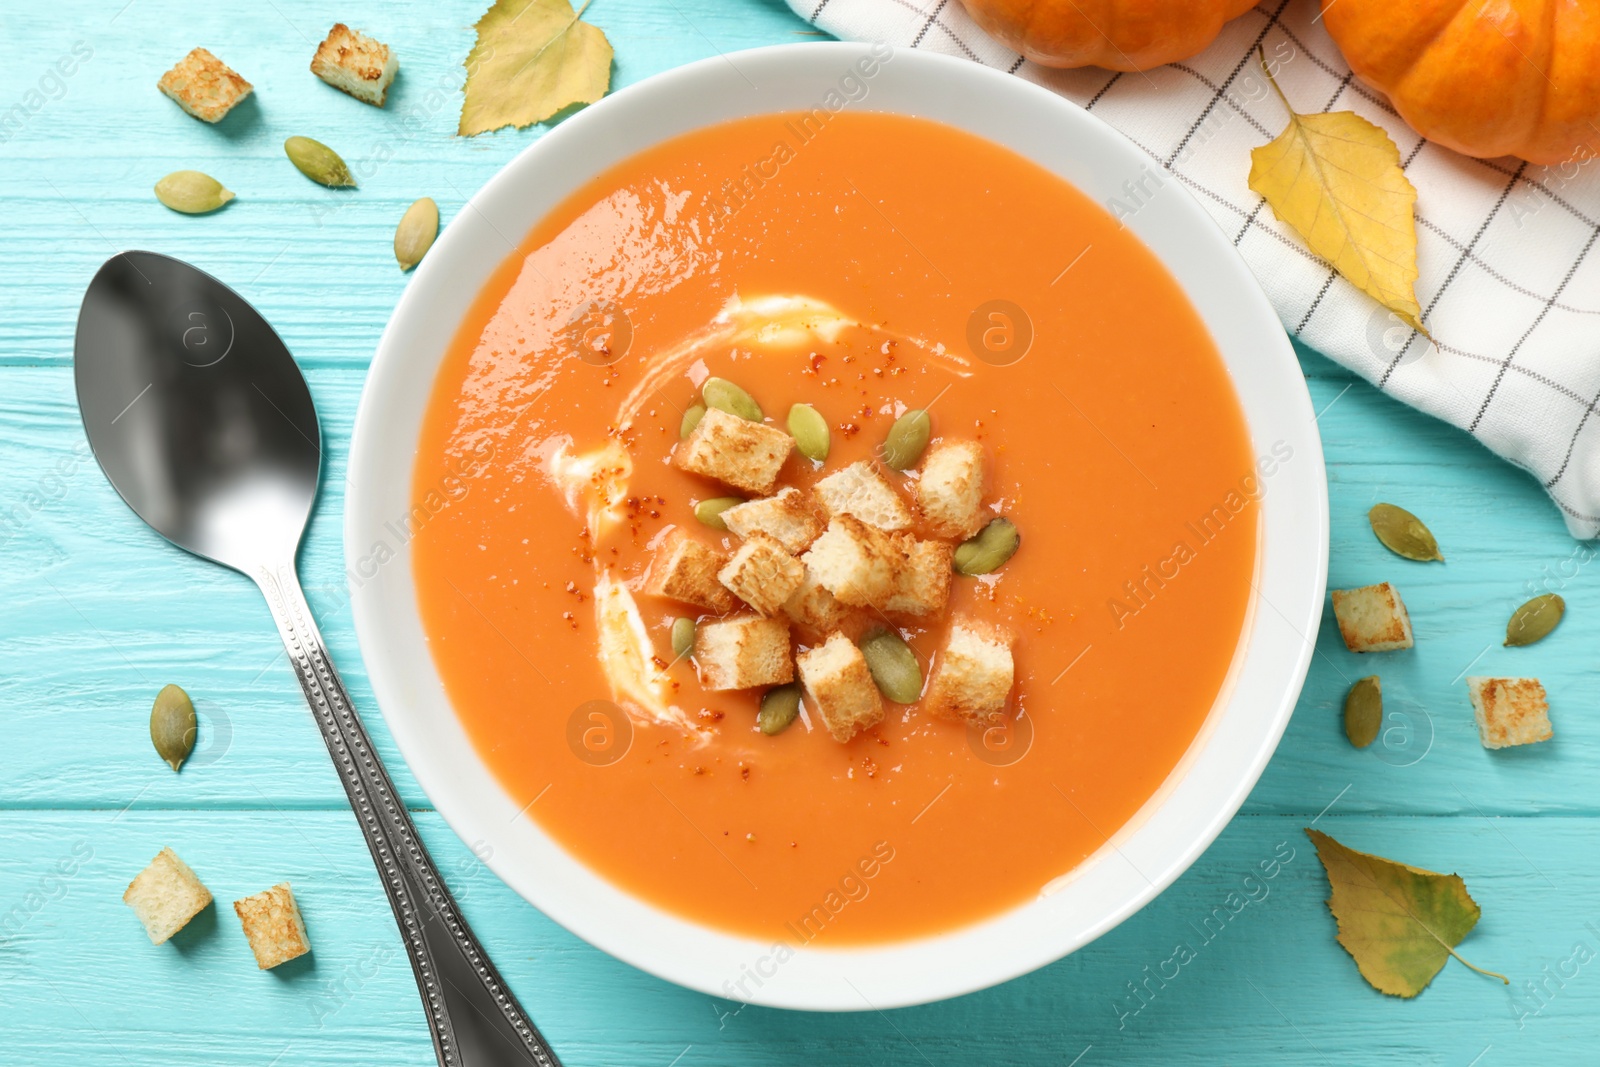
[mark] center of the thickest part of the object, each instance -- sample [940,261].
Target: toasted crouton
[950,490]
[762,574]
[840,686]
[922,585]
[855,562]
[684,569]
[743,653]
[746,455]
[861,491]
[1510,711]
[1372,618]
[788,516]
[813,607]
[974,674]
[272,925]
[204,86]
[165,896]
[356,64]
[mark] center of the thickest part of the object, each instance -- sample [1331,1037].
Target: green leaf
[1399,923]
[533,58]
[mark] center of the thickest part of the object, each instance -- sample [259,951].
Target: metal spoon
[202,421]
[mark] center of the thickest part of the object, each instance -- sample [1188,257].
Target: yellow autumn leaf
[1399,923]
[533,58]
[1335,179]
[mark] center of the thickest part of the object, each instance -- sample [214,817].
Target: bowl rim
[1139,860]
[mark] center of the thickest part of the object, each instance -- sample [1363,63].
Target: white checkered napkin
[1510,283]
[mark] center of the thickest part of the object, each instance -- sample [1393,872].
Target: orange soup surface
[865,265]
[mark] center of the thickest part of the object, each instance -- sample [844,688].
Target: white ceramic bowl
[1143,858]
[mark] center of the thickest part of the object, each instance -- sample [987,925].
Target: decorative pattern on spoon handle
[410,879]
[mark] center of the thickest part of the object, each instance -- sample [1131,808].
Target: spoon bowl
[196,410]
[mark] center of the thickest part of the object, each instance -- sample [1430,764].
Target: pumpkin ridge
[1549,60]
[1427,46]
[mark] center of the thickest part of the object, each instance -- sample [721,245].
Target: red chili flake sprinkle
[711,715]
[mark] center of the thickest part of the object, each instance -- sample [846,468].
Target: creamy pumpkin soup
[836,528]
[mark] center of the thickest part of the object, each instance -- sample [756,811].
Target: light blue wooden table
[98,613]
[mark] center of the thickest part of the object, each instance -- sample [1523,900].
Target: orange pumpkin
[1117,34]
[1484,77]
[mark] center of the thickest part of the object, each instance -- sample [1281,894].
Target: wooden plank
[1266,981]
[83,574]
[317,262]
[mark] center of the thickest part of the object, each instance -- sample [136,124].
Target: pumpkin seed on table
[1534,620]
[192,192]
[318,162]
[1363,711]
[907,439]
[710,511]
[416,232]
[779,708]
[723,395]
[810,432]
[1403,533]
[893,665]
[691,419]
[173,725]
[988,550]
[682,637]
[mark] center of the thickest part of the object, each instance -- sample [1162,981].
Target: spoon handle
[474,1019]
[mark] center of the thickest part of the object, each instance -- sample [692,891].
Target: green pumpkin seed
[191,192]
[318,162]
[1403,533]
[810,432]
[682,637]
[710,511]
[723,395]
[691,419]
[1363,711]
[414,236]
[907,438]
[779,708]
[1535,619]
[173,726]
[988,550]
[893,665]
